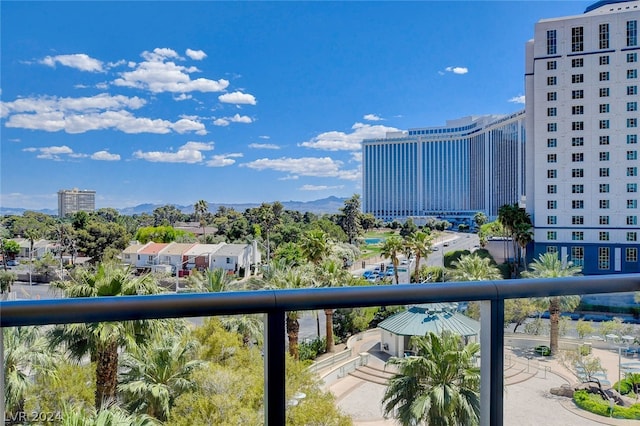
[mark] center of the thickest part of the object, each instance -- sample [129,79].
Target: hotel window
[603,236]
[604,60]
[631,254]
[632,122]
[577,94]
[577,78]
[577,204]
[552,220]
[604,92]
[632,155]
[604,124]
[604,36]
[577,39]
[552,189]
[577,109]
[552,143]
[604,188]
[577,125]
[604,220]
[632,33]
[632,73]
[632,187]
[577,235]
[552,173]
[604,108]
[604,156]
[577,256]
[632,57]
[577,141]
[604,204]
[604,172]
[577,220]
[603,258]
[551,42]
[632,236]
[577,173]
[577,157]
[552,112]
[552,96]
[632,204]
[552,249]
[632,220]
[552,127]
[604,140]
[552,81]
[632,106]
[577,63]
[552,235]
[632,90]
[551,65]
[552,204]
[577,189]
[632,139]
[604,76]
[632,171]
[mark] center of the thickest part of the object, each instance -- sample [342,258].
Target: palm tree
[102,340]
[438,386]
[523,234]
[392,247]
[315,246]
[155,374]
[25,353]
[549,265]
[331,274]
[32,235]
[201,208]
[420,245]
[250,327]
[212,280]
[474,268]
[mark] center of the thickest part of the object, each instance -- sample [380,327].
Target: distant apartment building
[74,200]
[582,136]
[473,164]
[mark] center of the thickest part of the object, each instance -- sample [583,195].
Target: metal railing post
[274,369]
[491,362]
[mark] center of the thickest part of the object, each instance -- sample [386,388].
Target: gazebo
[419,320]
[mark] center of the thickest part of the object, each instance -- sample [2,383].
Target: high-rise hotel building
[473,164]
[582,136]
[74,200]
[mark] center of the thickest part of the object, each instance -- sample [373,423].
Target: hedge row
[595,404]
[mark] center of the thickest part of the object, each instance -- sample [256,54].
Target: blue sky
[172,102]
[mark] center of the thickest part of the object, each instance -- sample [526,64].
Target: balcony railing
[274,303]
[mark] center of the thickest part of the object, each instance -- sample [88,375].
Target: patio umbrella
[628,338]
[612,336]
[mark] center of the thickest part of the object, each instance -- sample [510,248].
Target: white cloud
[105,156]
[238,98]
[263,146]
[306,166]
[289,177]
[340,141]
[372,117]
[457,70]
[55,153]
[78,61]
[157,74]
[190,153]
[196,55]
[517,99]
[182,97]
[319,187]
[79,115]
[264,137]
[225,121]
[223,160]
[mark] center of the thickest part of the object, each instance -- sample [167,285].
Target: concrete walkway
[527,400]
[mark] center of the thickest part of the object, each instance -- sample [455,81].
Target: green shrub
[624,386]
[595,404]
[311,350]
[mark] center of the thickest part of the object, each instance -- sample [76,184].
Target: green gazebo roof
[419,320]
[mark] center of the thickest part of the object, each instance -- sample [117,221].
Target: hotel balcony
[275,303]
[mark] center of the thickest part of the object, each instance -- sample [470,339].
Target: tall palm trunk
[106,373]
[554,324]
[329,329]
[293,330]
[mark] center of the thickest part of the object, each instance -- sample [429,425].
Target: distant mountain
[327,205]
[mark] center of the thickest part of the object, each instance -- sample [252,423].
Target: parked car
[12,262]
